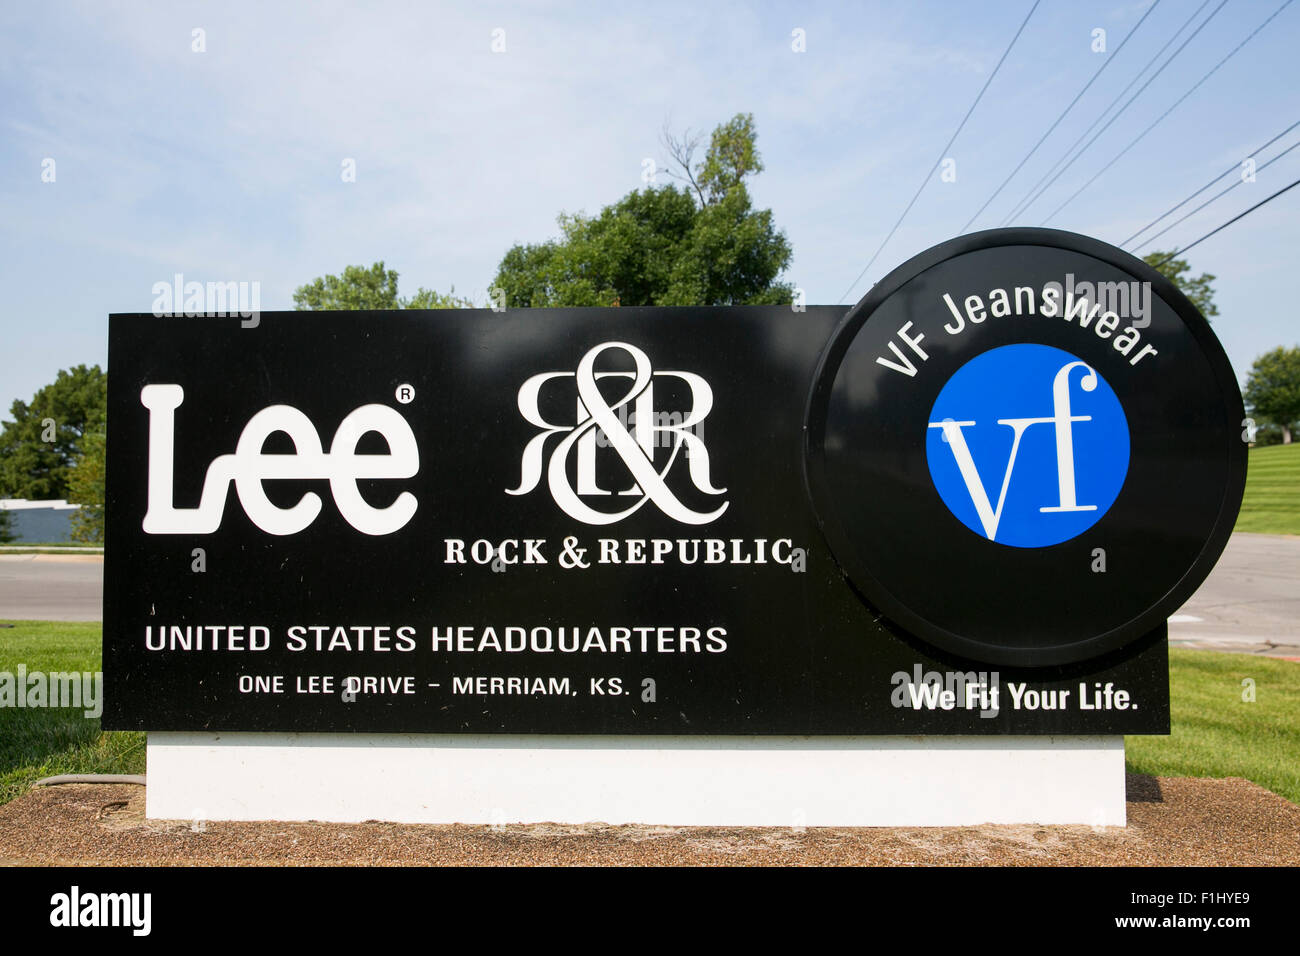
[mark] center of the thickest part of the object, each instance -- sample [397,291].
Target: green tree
[732,156]
[39,447]
[627,253]
[429,299]
[1198,288]
[6,526]
[1273,389]
[86,488]
[703,244]
[373,288]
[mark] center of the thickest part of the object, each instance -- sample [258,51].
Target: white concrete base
[676,781]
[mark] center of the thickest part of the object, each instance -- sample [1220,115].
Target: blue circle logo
[1027,445]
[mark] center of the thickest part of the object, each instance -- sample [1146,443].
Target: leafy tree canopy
[42,442]
[86,488]
[702,244]
[1273,389]
[1198,288]
[373,288]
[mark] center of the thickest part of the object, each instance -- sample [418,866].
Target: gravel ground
[1173,821]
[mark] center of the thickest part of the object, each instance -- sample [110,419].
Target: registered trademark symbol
[405,393]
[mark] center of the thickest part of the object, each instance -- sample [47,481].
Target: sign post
[907,564]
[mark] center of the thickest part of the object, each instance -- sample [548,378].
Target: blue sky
[225,165]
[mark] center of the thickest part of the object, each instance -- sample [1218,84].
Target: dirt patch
[1173,821]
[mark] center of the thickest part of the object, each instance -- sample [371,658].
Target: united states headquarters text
[462,639]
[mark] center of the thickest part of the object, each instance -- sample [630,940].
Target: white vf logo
[248,467]
[635,447]
[1063,422]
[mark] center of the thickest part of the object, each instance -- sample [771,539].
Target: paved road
[1250,603]
[51,587]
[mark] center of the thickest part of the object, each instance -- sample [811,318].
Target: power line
[1230,169]
[1225,225]
[1130,102]
[1057,169]
[1161,117]
[1105,63]
[944,151]
[1216,196]
[1032,195]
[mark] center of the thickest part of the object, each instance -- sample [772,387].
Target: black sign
[965,507]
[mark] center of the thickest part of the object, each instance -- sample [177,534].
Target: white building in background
[39,521]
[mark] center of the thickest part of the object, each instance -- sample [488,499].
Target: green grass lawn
[37,743]
[44,547]
[1216,733]
[1272,501]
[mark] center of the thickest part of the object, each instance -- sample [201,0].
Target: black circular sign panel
[943,579]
